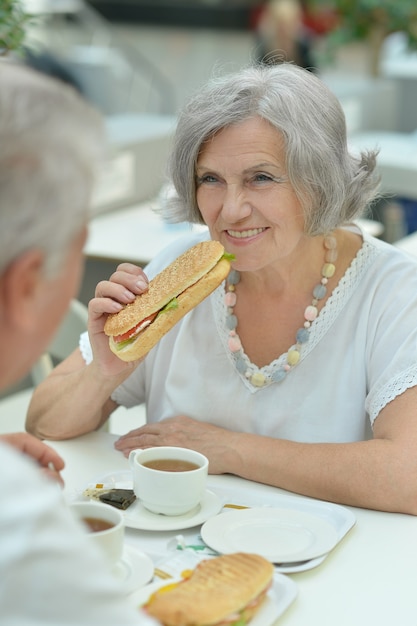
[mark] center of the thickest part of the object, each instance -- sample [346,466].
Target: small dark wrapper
[119,498]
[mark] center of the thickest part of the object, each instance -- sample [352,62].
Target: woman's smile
[245,234]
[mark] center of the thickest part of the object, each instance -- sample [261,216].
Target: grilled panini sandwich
[225,590]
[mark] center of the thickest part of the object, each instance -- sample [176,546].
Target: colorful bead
[231,322]
[278,375]
[311,313]
[331,256]
[230,298]
[258,378]
[234,344]
[330,242]
[328,270]
[302,335]
[233,278]
[319,291]
[293,357]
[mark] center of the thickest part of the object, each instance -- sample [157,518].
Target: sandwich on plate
[223,591]
[172,293]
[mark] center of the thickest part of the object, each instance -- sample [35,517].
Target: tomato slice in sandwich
[135,330]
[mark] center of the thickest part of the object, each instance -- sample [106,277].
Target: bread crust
[187,300]
[183,272]
[218,587]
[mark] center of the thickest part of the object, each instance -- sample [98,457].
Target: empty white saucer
[134,570]
[280,535]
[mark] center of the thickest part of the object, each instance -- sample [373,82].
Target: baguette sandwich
[223,591]
[172,293]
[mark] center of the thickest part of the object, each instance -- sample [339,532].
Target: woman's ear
[20,290]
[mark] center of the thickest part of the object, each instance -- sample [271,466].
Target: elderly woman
[301,370]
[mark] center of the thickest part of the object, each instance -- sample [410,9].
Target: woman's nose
[236,203]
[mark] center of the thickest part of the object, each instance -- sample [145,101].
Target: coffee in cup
[104,525]
[169,480]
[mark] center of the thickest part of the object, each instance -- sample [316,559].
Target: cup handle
[132,456]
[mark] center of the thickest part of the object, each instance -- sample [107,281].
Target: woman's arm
[377,474]
[75,398]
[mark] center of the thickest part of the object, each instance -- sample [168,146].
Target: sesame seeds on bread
[183,272]
[183,284]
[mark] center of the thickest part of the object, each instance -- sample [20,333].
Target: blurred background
[137,60]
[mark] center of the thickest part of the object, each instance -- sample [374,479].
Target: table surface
[397,159]
[134,234]
[369,577]
[408,244]
[138,233]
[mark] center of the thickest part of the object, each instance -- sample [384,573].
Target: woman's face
[244,195]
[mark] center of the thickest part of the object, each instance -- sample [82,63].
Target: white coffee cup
[110,539]
[165,491]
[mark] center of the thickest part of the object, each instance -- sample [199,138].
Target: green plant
[13,22]
[369,20]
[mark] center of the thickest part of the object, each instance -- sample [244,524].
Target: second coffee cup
[169,480]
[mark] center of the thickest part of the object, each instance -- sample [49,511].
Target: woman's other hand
[214,442]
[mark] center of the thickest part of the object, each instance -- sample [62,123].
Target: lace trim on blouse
[393,388]
[335,304]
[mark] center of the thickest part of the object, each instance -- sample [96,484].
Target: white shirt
[361,354]
[49,573]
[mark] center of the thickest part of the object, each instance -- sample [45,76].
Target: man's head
[50,141]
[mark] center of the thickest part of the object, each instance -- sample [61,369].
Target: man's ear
[20,288]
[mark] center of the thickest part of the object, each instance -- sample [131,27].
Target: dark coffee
[95,525]
[171,465]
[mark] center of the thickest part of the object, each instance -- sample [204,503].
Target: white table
[408,244]
[134,234]
[138,233]
[368,579]
[396,162]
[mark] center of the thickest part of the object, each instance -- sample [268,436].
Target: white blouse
[361,354]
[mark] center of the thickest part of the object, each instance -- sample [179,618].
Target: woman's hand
[181,431]
[111,295]
[48,460]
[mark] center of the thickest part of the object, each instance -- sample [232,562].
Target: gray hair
[50,142]
[332,185]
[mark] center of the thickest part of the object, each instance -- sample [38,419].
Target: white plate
[341,518]
[134,570]
[281,594]
[280,535]
[136,516]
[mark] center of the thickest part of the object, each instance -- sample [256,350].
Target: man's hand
[49,461]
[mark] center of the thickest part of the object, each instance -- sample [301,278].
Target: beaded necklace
[256,377]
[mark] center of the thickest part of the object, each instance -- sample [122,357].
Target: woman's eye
[261,178]
[207,178]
